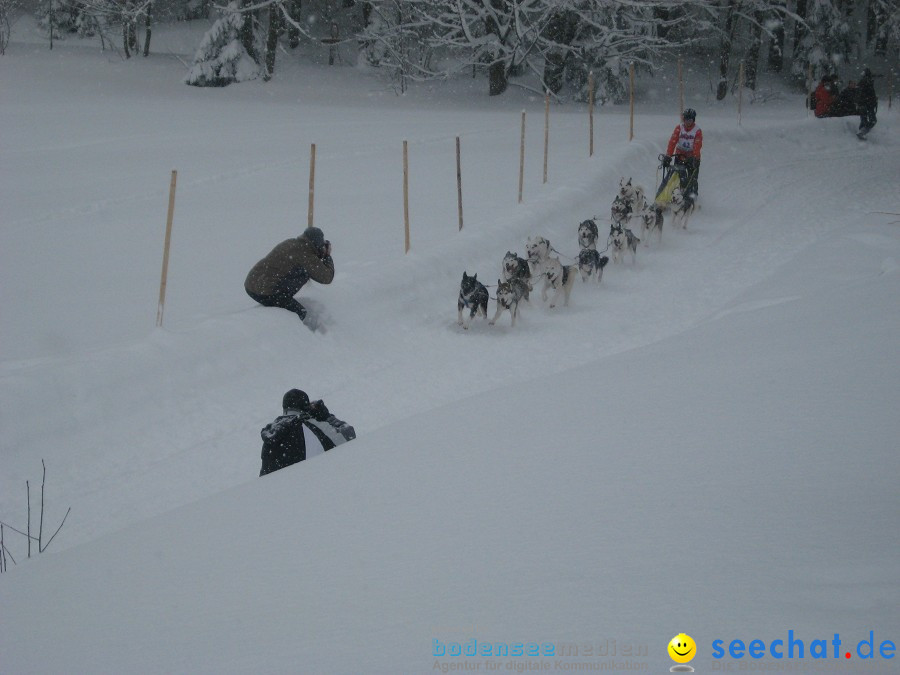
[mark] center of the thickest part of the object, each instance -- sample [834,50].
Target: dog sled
[675,176]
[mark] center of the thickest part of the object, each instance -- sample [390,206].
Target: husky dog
[472,295]
[632,195]
[651,219]
[620,213]
[587,234]
[591,263]
[560,278]
[516,268]
[509,294]
[622,239]
[682,208]
[537,251]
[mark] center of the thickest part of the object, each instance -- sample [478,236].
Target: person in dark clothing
[276,279]
[868,103]
[304,429]
[846,103]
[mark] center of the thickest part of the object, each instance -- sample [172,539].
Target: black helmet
[689,114]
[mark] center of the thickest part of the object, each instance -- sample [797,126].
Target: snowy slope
[706,442]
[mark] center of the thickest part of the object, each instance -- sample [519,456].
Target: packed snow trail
[139,414]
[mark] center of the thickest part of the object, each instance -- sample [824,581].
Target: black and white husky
[651,219]
[516,268]
[588,234]
[682,208]
[622,239]
[620,211]
[633,195]
[591,263]
[509,294]
[537,251]
[560,278]
[472,296]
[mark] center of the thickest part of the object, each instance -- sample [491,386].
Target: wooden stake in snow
[546,132]
[312,182]
[740,90]
[28,497]
[165,265]
[522,159]
[591,114]
[680,90]
[631,98]
[459,185]
[406,195]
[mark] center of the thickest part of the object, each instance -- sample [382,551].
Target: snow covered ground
[705,443]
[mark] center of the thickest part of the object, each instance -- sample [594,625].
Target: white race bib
[686,139]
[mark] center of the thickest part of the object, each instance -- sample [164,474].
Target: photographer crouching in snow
[305,429]
[276,279]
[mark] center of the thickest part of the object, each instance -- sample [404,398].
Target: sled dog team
[517,275]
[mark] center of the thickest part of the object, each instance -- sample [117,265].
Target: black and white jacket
[296,436]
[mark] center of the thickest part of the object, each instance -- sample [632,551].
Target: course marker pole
[312,182]
[165,265]
[406,196]
[522,158]
[631,100]
[459,206]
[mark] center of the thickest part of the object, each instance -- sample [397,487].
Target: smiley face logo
[682,648]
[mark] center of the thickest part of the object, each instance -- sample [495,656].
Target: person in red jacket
[824,95]
[685,146]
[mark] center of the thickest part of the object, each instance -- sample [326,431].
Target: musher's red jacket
[686,141]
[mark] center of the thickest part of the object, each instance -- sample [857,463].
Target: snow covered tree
[55,18]
[498,34]
[606,37]
[558,41]
[396,38]
[882,26]
[228,52]
[8,10]
[828,40]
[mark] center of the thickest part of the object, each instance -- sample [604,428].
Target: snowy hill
[705,443]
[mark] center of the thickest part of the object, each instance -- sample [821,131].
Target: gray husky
[588,234]
[509,294]
[682,208]
[622,239]
[515,268]
[591,264]
[633,195]
[620,211]
[651,219]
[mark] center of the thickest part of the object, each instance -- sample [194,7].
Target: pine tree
[55,18]
[227,53]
